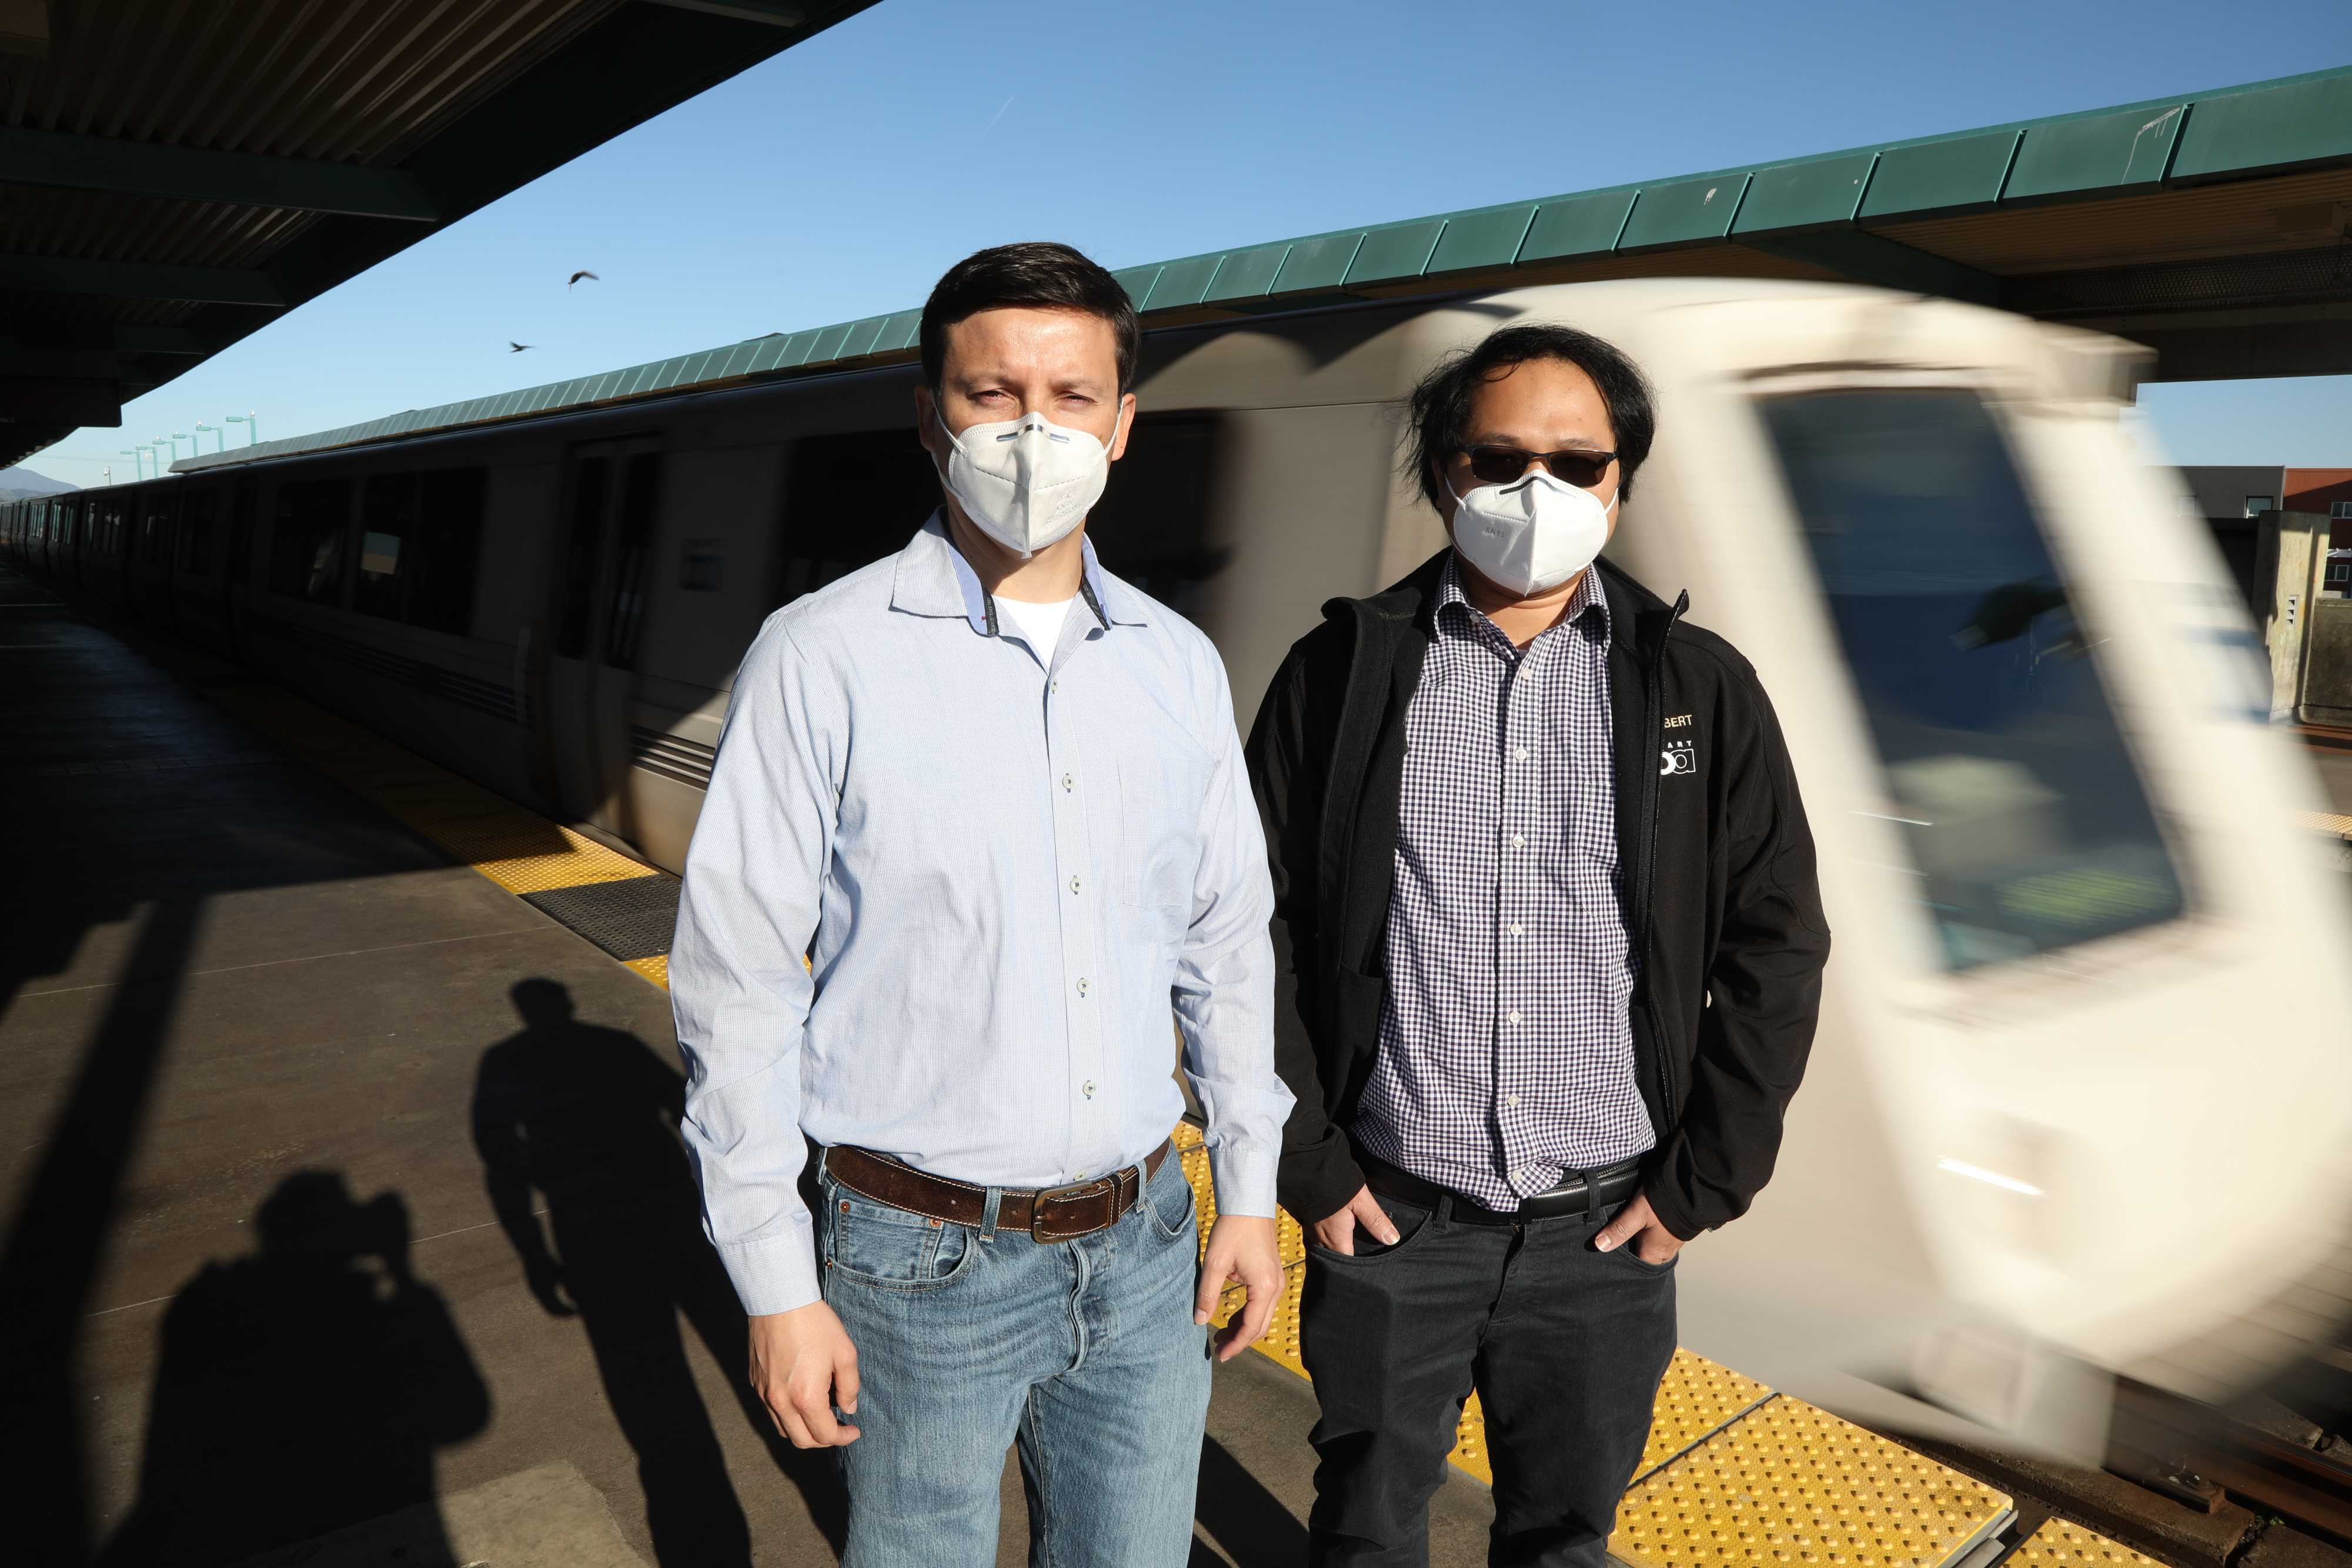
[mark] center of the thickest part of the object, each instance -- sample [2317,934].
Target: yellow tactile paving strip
[2061,1544]
[1791,1483]
[518,850]
[2327,823]
[1698,1399]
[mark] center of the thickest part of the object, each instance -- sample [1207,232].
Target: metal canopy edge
[1827,213]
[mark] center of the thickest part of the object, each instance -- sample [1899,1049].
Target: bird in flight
[515,348]
[586,274]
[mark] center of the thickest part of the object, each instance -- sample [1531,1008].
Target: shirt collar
[1588,597]
[934,579]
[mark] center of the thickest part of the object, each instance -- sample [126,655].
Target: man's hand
[802,1367]
[1637,1223]
[1336,1232]
[1241,1247]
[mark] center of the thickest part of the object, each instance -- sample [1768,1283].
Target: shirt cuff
[1244,1179]
[775,1275]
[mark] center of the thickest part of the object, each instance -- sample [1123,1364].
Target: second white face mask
[1532,535]
[1027,482]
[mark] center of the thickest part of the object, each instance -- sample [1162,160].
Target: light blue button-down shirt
[1003,865]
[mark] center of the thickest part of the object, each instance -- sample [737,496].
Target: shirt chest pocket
[1162,796]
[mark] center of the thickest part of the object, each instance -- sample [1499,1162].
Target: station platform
[348,1224]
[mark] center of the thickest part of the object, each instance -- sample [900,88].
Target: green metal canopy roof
[2211,227]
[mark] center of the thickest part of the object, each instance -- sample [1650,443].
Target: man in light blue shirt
[995,797]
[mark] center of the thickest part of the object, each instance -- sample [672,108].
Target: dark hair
[1036,273]
[1440,405]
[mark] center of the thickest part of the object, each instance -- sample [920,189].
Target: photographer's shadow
[586,1118]
[301,1389]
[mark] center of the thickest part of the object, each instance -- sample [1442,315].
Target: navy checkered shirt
[1506,1055]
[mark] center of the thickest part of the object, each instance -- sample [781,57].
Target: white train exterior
[2070,1109]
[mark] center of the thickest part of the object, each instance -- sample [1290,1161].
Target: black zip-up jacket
[1716,876]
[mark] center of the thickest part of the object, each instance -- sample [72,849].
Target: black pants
[1565,1345]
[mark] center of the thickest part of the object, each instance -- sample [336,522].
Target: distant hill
[23,485]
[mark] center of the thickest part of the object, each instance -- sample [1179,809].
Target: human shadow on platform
[586,1119]
[301,1389]
[1249,1523]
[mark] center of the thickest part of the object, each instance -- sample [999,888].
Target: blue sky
[839,179]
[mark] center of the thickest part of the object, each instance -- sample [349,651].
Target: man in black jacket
[1555,946]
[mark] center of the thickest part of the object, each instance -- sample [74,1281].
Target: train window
[702,565]
[306,546]
[1150,526]
[448,549]
[850,500]
[590,480]
[197,514]
[624,618]
[387,519]
[2028,825]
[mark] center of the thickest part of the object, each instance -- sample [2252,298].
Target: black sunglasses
[1505,464]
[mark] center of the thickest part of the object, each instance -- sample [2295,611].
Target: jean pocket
[1167,1204]
[889,1248]
[1625,1252]
[1411,1224]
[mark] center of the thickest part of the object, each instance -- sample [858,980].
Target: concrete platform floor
[342,1195]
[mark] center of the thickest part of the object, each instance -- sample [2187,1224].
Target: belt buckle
[1046,1202]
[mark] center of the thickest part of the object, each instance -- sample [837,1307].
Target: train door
[612,496]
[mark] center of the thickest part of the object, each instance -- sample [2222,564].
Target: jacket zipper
[1669,1092]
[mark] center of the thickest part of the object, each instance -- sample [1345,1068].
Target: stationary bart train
[2077,1105]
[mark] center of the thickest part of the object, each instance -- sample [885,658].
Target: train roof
[2107,218]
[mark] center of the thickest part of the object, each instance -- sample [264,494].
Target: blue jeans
[1082,1353]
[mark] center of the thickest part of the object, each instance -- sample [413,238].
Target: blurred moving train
[2068,1112]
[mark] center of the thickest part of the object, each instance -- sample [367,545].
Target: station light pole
[220,438]
[138,468]
[178,437]
[252,426]
[162,441]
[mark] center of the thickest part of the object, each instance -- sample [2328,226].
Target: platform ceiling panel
[205,168]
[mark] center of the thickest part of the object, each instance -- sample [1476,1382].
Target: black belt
[1579,1193]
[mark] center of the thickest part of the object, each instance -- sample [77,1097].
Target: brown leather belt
[1051,1214]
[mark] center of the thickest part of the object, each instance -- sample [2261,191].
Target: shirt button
[1521,755]
[1073,885]
[1513,1015]
[1087,1088]
[1053,686]
[1519,841]
[1082,984]
[1510,1099]
[1070,782]
[1517,929]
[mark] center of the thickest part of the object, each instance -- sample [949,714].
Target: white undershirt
[1040,625]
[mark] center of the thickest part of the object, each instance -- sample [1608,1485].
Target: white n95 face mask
[1027,482]
[1531,535]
